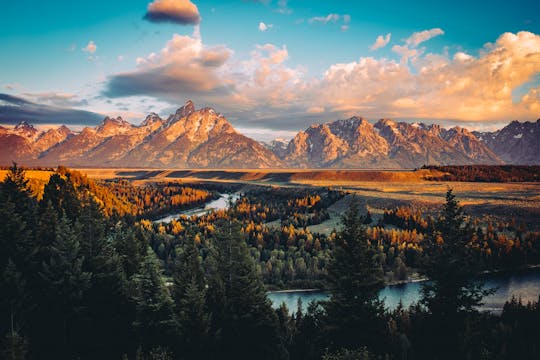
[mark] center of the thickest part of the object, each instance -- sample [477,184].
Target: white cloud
[264,27]
[283,7]
[439,87]
[90,48]
[264,91]
[419,37]
[381,41]
[182,12]
[330,18]
[183,66]
[60,99]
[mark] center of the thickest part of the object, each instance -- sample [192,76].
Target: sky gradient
[273,67]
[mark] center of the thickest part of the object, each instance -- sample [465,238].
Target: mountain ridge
[203,138]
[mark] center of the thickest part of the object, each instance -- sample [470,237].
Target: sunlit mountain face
[203,138]
[273,68]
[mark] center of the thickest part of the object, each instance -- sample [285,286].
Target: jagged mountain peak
[113,126]
[185,110]
[26,130]
[151,120]
[385,122]
[24,127]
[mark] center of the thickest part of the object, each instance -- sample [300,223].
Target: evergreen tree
[17,211]
[355,312]
[17,214]
[131,247]
[452,292]
[62,194]
[108,314]
[245,323]
[64,284]
[154,320]
[189,293]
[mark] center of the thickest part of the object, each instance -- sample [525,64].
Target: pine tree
[64,285]
[154,322]
[189,293]
[452,292]
[17,214]
[245,321]
[355,312]
[62,195]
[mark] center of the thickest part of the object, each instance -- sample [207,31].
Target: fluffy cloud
[381,42]
[436,86]
[182,12]
[410,49]
[183,67]
[263,27]
[90,48]
[264,91]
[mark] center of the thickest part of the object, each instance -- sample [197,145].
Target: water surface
[524,284]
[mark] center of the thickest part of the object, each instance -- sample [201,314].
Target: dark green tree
[64,283]
[453,292]
[355,312]
[17,234]
[244,324]
[154,320]
[62,195]
[189,293]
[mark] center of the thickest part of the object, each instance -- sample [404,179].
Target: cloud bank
[15,109]
[265,89]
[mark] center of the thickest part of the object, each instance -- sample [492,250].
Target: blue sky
[315,61]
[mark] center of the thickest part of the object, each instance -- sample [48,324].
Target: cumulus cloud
[436,86]
[264,91]
[264,27]
[183,66]
[182,12]
[90,48]
[381,41]
[410,49]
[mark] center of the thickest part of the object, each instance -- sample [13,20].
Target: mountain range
[203,138]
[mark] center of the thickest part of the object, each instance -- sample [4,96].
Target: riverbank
[413,279]
[523,284]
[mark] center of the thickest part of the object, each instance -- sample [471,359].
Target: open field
[42,175]
[376,189]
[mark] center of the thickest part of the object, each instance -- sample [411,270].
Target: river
[220,203]
[524,284]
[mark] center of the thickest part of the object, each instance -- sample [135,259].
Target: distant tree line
[486,173]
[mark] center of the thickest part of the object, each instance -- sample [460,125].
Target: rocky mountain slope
[516,143]
[203,138]
[357,143]
[189,138]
